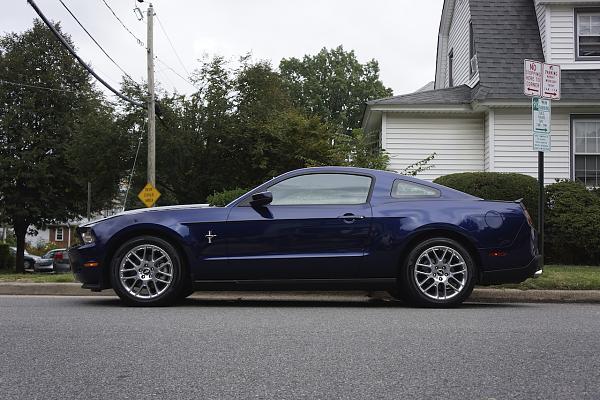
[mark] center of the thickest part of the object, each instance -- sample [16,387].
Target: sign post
[541,81]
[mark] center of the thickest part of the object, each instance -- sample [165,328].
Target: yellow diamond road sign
[149,195]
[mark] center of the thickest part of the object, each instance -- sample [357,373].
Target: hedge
[225,197]
[572,224]
[7,260]
[496,186]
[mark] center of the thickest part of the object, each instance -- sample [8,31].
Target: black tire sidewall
[409,288]
[170,295]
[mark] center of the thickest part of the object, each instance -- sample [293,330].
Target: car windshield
[49,254]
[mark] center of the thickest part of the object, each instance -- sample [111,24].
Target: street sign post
[149,195]
[542,82]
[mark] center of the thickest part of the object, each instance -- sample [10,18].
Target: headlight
[87,236]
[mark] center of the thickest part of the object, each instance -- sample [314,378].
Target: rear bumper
[512,275]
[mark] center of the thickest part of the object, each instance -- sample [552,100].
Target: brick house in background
[477,118]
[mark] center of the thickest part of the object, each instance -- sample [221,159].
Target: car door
[316,227]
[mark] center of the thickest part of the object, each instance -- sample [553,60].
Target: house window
[450,68]
[586,150]
[59,234]
[587,25]
[473,67]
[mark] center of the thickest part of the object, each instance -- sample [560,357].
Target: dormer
[457,62]
[570,32]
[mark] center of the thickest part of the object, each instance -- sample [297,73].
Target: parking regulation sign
[551,82]
[533,75]
[541,123]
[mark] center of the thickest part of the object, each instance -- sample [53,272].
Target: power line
[79,59]
[37,87]
[175,72]
[138,40]
[95,41]
[171,43]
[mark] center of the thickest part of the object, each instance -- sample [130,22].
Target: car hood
[148,210]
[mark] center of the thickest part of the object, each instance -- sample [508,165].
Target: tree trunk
[20,232]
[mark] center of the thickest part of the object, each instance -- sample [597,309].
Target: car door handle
[349,218]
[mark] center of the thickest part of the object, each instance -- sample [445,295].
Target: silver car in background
[56,260]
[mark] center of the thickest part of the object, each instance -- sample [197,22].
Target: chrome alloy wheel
[146,271]
[440,272]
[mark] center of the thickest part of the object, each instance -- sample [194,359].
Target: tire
[26,265]
[147,271]
[447,283]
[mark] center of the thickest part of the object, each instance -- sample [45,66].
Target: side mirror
[261,199]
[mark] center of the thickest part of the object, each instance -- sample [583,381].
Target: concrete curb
[480,295]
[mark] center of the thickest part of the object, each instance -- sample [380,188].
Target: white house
[476,118]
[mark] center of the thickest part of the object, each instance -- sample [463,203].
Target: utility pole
[89,201]
[151,115]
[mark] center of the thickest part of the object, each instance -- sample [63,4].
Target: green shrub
[572,226]
[496,186]
[7,260]
[40,248]
[225,197]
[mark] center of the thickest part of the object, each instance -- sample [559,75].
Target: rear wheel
[147,271]
[437,272]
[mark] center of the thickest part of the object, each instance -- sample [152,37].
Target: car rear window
[402,189]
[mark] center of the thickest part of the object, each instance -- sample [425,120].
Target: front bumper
[512,275]
[91,277]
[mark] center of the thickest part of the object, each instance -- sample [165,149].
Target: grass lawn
[36,277]
[563,277]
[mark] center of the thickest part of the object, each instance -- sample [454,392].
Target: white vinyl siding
[562,34]
[458,142]
[458,42]
[540,12]
[486,142]
[513,144]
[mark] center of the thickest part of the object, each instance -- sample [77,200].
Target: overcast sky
[400,34]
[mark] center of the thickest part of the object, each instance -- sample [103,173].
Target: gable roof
[454,95]
[506,32]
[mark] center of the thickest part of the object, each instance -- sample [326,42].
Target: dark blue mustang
[315,228]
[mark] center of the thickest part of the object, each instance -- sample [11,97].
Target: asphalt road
[93,348]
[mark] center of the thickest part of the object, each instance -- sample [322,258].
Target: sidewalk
[480,295]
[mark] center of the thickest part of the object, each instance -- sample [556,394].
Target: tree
[333,85]
[55,135]
[239,129]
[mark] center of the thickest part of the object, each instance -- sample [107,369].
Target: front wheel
[147,271]
[437,272]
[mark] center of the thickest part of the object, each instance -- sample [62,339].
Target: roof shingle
[506,32]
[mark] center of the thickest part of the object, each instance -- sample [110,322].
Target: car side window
[314,189]
[402,189]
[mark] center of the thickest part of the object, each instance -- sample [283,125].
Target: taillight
[58,256]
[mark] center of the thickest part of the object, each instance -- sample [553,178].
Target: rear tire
[438,272]
[147,271]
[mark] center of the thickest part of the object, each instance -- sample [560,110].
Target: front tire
[438,272]
[147,271]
